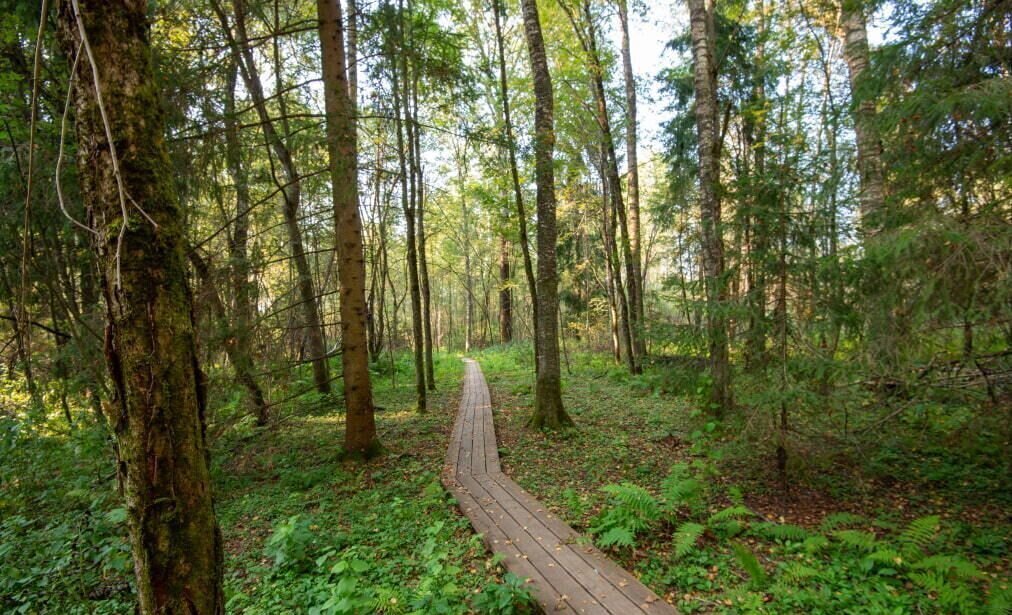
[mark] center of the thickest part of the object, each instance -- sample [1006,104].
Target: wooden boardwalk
[565,575]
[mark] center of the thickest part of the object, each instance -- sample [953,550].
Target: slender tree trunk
[423,260]
[407,201]
[289,185]
[881,328]
[505,292]
[548,410]
[511,149]
[628,293]
[241,364]
[633,183]
[158,402]
[705,81]
[238,336]
[342,144]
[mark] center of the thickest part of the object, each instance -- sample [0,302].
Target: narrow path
[566,576]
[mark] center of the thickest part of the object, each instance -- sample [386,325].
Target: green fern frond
[617,537]
[951,566]
[796,573]
[680,488]
[731,512]
[840,519]
[782,532]
[888,557]
[750,563]
[686,537]
[864,541]
[999,601]
[921,532]
[814,544]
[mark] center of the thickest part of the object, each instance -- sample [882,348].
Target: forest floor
[712,529]
[304,531]
[917,523]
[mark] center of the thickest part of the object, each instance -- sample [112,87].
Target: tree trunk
[238,336]
[871,197]
[548,410]
[505,293]
[705,82]
[407,202]
[290,187]
[511,150]
[423,260]
[342,145]
[158,401]
[628,292]
[633,183]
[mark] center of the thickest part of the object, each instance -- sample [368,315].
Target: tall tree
[289,185]
[633,183]
[158,400]
[548,410]
[703,35]
[405,153]
[627,293]
[342,146]
[511,150]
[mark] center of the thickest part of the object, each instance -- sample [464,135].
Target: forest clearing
[505,307]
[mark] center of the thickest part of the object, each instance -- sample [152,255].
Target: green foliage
[631,509]
[510,597]
[750,563]
[289,544]
[687,536]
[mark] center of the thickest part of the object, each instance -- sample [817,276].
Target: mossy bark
[157,405]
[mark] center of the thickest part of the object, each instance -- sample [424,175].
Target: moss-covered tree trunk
[157,405]
[342,145]
[548,410]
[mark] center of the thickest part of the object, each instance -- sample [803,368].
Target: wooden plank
[600,587]
[619,577]
[497,542]
[568,588]
[565,576]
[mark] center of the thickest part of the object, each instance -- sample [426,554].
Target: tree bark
[548,410]
[158,400]
[399,74]
[705,82]
[423,259]
[633,183]
[854,32]
[291,191]
[342,145]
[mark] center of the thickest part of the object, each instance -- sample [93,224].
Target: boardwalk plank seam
[564,576]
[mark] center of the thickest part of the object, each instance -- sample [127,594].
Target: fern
[856,539]
[782,532]
[631,510]
[920,533]
[840,519]
[814,544]
[999,602]
[951,566]
[750,563]
[617,537]
[729,513]
[796,573]
[680,489]
[686,537]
